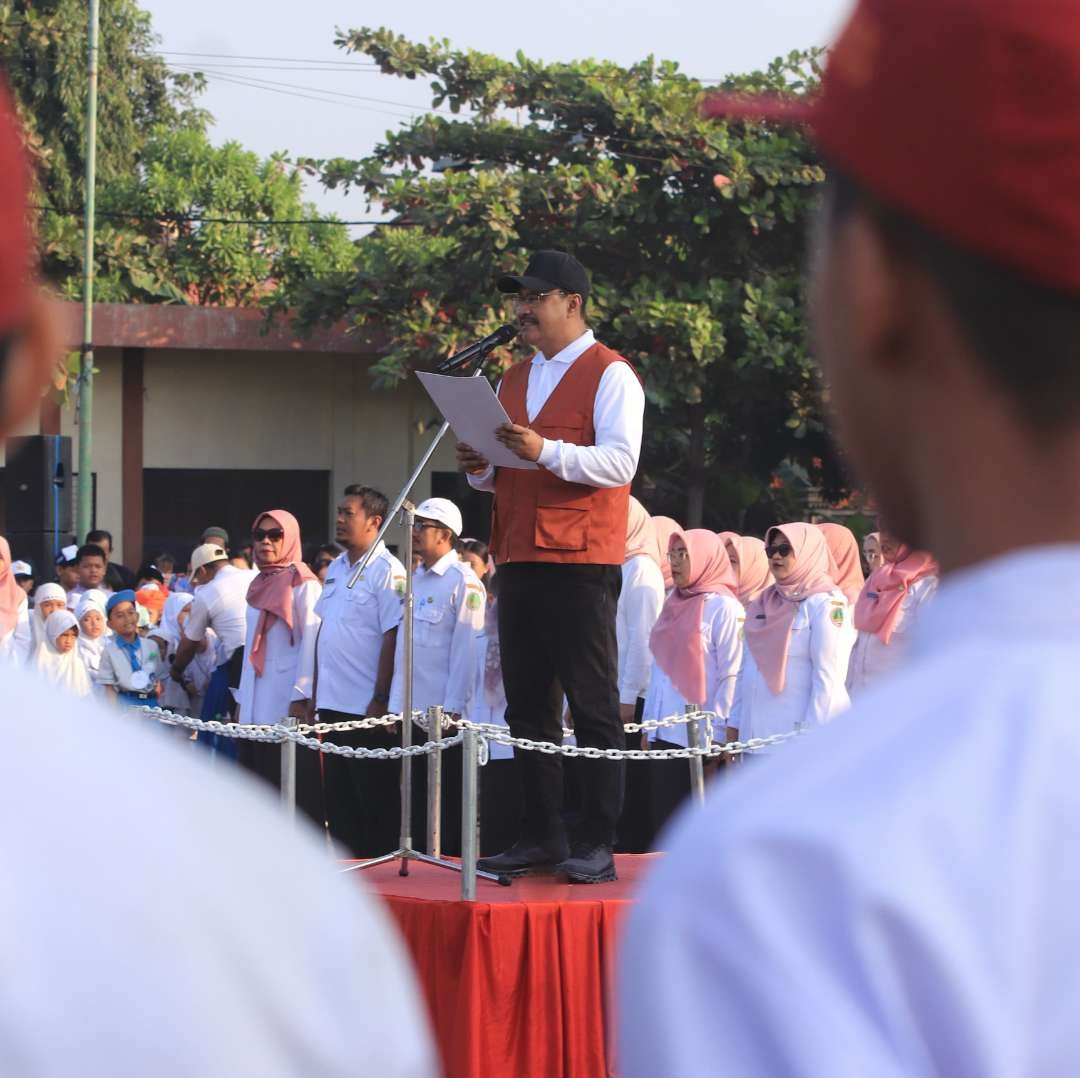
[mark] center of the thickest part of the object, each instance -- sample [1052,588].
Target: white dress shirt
[353,625]
[618,415]
[448,613]
[18,643]
[898,890]
[822,636]
[221,604]
[142,949]
[289,668]
[871,658]
[721,635]
[640,603]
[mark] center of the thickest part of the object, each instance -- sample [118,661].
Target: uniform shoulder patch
[474,599]
[836,615]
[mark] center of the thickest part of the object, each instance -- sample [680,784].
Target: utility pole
[85,509]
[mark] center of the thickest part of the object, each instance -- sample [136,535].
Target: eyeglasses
[275,535]
[420,525]
[781,550]
[532,299]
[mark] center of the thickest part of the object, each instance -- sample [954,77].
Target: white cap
[444,511]
[21,568]
[67,555]
[205,554]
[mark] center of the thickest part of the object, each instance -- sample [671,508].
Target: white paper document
[471,408]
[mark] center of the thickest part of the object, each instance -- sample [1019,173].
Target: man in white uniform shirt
[896,894]
[141,889]
[354,666]
[448,613]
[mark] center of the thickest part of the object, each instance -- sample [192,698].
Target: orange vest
[537,515]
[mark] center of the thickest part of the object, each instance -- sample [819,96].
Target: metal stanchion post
[697,765]
[434,784]
[469,844]
[288,772]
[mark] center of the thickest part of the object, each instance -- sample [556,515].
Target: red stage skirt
[518,982]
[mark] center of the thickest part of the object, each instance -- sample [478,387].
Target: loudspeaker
[38,488]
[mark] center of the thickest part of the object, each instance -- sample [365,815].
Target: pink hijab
[271,590]
[846,560]
[676,638]
[665,529]
[641,534]
[11,595]
[754,574]
[770,616]
[878,608]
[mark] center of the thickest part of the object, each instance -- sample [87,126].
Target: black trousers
[557,635]
[636,830]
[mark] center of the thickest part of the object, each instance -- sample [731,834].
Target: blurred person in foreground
[145,948]
[898,890]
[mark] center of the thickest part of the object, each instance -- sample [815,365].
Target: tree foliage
[693,232]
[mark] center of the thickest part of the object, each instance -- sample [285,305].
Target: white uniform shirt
[898,890]
[721,635]
[640,603]
[353,625]
[132,970]
[221,604]
[822,636]
[448,612]
[290,661]
[871,658]
[479,708]
[74,597]
[618,415]
[115,668]
[18,642]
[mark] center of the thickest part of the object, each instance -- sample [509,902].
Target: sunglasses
[780,550]
[273,534]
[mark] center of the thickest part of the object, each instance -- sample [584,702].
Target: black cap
[547,270]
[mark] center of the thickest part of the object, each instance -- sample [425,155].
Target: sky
[293,44]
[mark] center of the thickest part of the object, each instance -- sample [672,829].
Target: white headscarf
[44,594]
[66,670]
[169,628]
[91,648]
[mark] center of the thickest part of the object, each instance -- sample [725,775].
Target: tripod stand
[405,851]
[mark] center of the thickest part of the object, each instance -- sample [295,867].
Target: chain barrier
[489,732]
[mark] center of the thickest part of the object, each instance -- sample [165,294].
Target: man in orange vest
[558,538]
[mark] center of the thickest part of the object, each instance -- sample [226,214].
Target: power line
[176,217]
[274,59]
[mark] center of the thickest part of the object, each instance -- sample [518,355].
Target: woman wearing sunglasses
[886,611]
[799,638]
[279,654]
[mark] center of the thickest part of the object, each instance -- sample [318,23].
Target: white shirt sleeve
[830,652]
[739,693]
[397,684]
[484,481]
[106,674]
[725,659]
[639,607]
[198,620]
[390,597]
[468,622]
[22,639]
[306,622]
[618,415]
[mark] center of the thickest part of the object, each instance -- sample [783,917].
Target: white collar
[343,557]
[570,352]
[444,563]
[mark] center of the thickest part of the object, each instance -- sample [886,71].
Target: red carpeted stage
[517,981]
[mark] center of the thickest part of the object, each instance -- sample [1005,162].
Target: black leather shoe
[524,859]
[588,863]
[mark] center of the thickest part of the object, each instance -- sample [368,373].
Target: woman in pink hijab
[15,639]
[697,649]
[799,637]
[887,611]
[665,528]
[751,565]
[846,564]
[279,655]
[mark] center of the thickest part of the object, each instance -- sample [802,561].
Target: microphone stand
[405,851]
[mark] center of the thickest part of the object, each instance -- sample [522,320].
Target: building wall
[301,411]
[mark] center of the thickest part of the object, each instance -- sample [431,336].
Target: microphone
[503,335]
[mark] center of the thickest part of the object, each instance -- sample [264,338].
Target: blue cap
[119,597]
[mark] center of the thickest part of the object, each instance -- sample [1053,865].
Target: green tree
[693,231]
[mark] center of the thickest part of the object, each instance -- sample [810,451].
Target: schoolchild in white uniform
[93,632]
[166,633]
[58,659]
[129,662]
[15,638]
[799,636]
[354,666]
[697,651]
[888,611]
[279,653]
[47,599]
[448,613]
[640,603]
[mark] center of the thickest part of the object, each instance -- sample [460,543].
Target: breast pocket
[359,604]
[431,622]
